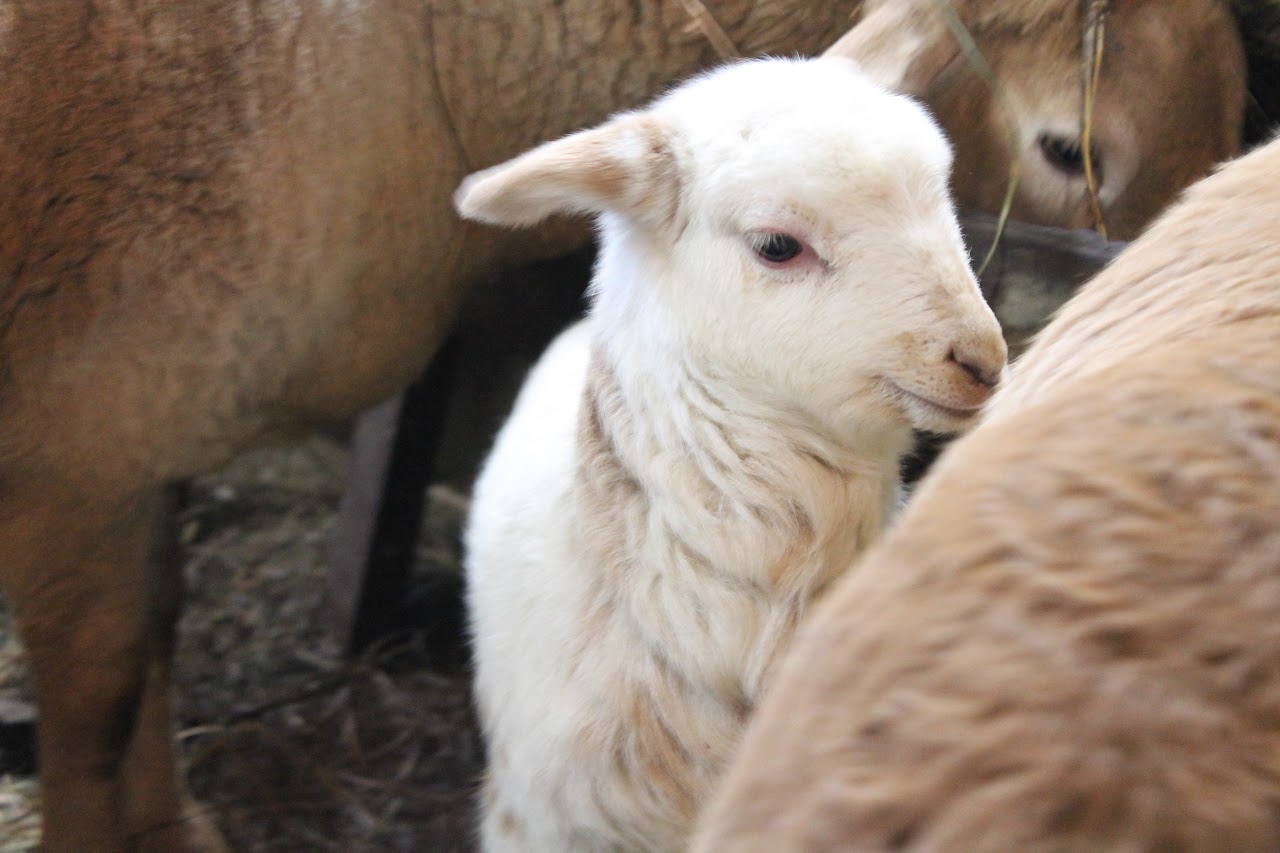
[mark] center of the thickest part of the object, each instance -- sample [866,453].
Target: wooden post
[393,454]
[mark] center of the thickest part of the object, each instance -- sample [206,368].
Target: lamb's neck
[722,482]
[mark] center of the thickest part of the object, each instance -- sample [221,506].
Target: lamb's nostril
[985,376]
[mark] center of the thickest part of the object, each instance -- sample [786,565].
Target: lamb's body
[627,611]
[689,467]
[1069,642]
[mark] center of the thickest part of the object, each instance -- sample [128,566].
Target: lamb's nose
[985,371]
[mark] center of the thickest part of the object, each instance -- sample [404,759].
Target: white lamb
[782,293]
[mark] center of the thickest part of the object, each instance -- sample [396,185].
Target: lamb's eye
[775,247]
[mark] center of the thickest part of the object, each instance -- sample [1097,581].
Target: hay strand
[703,22]
[969,47]
[1093,39]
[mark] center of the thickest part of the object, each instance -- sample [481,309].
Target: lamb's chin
[927,414]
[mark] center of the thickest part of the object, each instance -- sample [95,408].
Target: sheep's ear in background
[901,46]
[626,166]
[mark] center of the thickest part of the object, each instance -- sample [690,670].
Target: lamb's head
[786,225]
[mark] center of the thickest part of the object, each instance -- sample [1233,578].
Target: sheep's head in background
[1167,104]
[807,251]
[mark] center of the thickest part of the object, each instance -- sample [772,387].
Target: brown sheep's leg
[74,572]
[159,812]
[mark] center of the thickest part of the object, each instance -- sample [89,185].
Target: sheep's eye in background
[775,247]
[1065,154]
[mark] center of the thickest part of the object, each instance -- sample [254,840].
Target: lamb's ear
[902,46]
[625,166]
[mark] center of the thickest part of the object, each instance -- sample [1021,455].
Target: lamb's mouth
[953,413]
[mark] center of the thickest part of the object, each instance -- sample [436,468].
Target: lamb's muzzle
[985,371]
